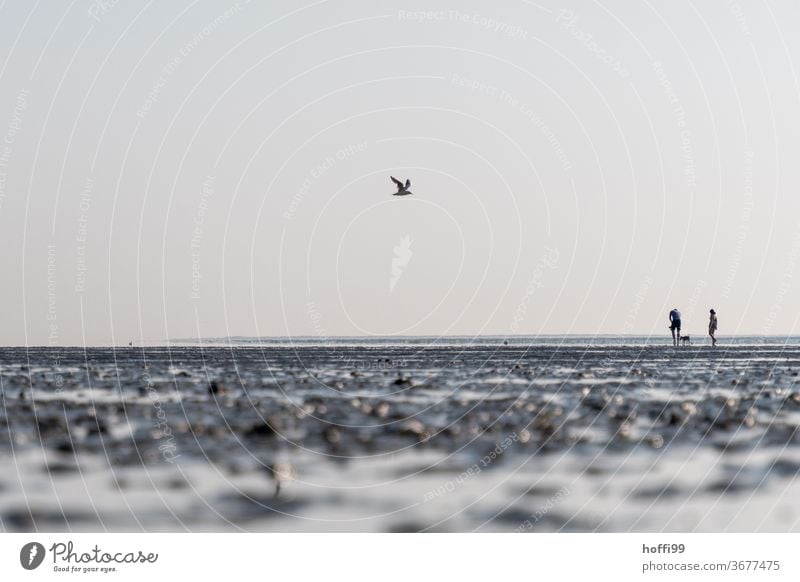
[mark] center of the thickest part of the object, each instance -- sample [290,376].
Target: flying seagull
[402,189]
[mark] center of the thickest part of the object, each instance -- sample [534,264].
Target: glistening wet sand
[401,438]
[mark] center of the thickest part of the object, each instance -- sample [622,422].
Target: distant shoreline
[566,340]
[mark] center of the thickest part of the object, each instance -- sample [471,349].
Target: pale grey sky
[214,168]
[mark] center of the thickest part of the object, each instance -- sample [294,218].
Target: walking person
[675,325]
[712,326]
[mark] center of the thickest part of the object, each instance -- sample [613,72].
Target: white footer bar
[370,557]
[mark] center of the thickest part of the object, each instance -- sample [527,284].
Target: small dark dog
[685,339]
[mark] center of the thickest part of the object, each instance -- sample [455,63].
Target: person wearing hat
[712,326]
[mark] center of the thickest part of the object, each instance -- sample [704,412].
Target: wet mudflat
[369,437]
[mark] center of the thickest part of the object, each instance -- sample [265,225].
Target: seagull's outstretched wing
[408,184]
[397,182]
